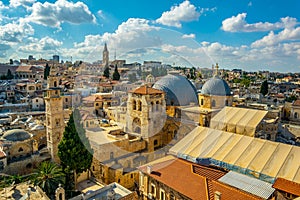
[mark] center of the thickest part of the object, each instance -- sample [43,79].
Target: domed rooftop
[216,86]
[179,90]
[16,135]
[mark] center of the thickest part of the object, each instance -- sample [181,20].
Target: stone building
[22,152]
[215,94]
[54,113]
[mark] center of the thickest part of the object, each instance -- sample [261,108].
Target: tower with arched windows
[54,113]
[146,111]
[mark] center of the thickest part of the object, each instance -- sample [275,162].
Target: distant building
[55,58]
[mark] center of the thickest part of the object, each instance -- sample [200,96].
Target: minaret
[217,70]
[105,56]
[54,113]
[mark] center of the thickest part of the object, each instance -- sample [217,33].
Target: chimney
[218,195]
[149,169]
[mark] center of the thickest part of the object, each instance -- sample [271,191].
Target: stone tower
[54,113]
[105,56]
[146,111]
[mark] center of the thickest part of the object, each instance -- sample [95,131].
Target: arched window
[296,115]
[213,103]
[152,106]
[202,102]
[140,106]
[226,102]
[155,142]
[55,84]
[157,105]
[134,105]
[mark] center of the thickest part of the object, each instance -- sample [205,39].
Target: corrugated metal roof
[238,120]
[248,184]
[256,157]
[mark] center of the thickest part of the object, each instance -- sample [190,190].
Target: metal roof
[179,90]
[262,159]
[248,184]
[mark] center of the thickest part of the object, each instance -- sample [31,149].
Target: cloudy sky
[248,34]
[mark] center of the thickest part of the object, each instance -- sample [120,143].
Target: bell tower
[146,111]
[105,56]
[54,113]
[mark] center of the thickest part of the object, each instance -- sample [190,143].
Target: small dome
[216,86]
[16,135]
[179,90]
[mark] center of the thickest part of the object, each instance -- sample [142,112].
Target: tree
[46,71]
[116,75]
[106,72]
[48,176]
[9,75]
[74,149]
[264,88]
[11,61]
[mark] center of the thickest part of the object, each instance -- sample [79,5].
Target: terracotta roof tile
[207,172]
[287,186]
[296,103]
[2,154]
[24,68]
[146,90]
[177,174]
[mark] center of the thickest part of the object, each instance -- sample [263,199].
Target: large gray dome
[16,135]
[179,90]
[216,86]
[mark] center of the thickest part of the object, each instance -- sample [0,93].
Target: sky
[247,34]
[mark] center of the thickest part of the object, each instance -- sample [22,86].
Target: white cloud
[183,12]
[45,44]
[100,14]
[24,3]
[15,32]
[130,35]
[192,35]
[54,14]
[250,3]
[288,34]
[2,6]
[239,24]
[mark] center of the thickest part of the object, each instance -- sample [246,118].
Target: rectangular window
[162,194]
[153,190]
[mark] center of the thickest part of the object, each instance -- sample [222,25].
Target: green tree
[106,72]
[74,149]
[11,61]
[9,75]
[116,74]
[264,88]
[46,71]
[48,176]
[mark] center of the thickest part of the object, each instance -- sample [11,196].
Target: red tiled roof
[287,186]
[24,68]
[2,154]
[296,103]
[146,90]
[177,174]
[91,98]
[209,173]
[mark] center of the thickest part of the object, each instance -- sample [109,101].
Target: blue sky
[248,34]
